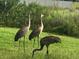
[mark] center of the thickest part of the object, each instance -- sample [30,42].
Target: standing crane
[36,32]
[21,33]
[46,41]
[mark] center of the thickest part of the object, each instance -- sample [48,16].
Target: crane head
[30,13]
[42,15]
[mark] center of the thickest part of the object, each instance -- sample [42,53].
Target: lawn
[67,49]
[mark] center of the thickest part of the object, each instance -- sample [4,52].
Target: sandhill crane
[36,32]
[46,41]
[21,33]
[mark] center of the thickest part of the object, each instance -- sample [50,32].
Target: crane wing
[33,34]
[19,34]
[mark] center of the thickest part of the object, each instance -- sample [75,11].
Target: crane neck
[29,21]
[37,50]
[41,22]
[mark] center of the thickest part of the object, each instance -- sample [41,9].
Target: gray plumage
[46,41]
[36,32]
[22,31]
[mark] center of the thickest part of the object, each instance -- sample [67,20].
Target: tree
[5,7]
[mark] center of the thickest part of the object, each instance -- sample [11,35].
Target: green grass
[68,49]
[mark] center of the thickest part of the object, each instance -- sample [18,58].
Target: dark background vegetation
[56,20]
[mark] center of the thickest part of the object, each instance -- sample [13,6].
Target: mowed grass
[67,49]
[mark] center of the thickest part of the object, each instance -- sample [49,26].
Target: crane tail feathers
[15,39]
[30,37]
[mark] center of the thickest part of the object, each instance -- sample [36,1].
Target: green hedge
[58,20]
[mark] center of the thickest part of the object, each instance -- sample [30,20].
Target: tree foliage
[62,21]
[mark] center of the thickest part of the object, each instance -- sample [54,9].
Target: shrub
[62,21]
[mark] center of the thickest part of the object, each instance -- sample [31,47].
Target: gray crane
[22,31]
[46,41]
[37,32]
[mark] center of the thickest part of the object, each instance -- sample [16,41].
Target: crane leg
[38,41]
[24,44]
[34,43]
[14,43]
[19,45]
[47,49]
